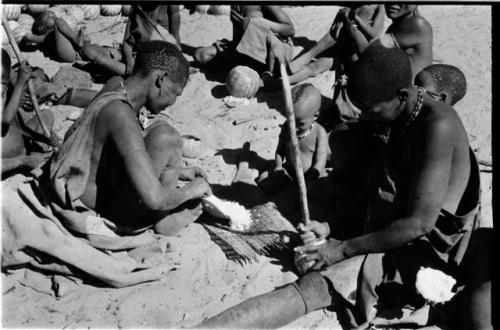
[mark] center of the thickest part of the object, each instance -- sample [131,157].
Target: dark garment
[387,280]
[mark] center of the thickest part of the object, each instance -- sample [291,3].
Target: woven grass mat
[269,234]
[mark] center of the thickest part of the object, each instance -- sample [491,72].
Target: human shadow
[232,157]
[303,42]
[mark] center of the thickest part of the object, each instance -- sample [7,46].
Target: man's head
[44,23]
[167,70]
[378,82]
[398,10]
[306,104]
[447,81]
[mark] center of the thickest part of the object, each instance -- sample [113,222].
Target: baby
[312,138]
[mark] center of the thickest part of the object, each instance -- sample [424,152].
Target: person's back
[412,33]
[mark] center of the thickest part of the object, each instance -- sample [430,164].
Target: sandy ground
[203,282]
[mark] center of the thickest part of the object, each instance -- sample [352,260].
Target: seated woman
[60,43]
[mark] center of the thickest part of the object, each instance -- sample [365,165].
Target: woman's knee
[162,136]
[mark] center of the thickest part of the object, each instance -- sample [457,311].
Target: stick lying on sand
[31,88]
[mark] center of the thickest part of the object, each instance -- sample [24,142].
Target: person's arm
[426,197]
[175,23]
[25,162]
[280,151]
[37,39]
[373,29]
[321,152]
[126,134]
[10,110]
[62,26]
[278,21]
[127,47]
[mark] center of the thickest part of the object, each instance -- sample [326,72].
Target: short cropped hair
[449,79]
[298,91]
[39,27]
[379,74]
[161,55]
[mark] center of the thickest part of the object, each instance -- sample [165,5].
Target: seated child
[60,43]
[261,34]
[146,22]
[313,143]
[15,128]
[445,82]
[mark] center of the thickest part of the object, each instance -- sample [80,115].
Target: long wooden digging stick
[290,116]
[31,88]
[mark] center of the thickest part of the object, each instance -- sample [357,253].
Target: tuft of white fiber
[434,285]
[239,217]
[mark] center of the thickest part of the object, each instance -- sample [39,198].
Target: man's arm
[278,21]
[373,29]
[426,195]
[175,23]
[127,47]
[280,151]
[125,133]
[320,154]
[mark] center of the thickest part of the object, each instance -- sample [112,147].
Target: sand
[203,282]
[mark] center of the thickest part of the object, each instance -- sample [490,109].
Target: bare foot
[173,223]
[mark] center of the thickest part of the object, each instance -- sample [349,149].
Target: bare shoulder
[417,24]
[117,115]
[442,120]
[320,130]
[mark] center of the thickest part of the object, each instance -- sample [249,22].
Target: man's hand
[35,159]
[321,256]
[190,173]
[200,188]
[54,140]
[313,232]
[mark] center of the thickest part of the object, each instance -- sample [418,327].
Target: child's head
[44,23]
[306,104]
[446,80]
[398,10]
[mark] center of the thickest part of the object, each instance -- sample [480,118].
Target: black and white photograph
[253,165]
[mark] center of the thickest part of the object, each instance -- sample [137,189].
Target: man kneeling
[129,176]
[424,208]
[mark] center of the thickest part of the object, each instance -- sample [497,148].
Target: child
[445,82]
[150,22]
[14,128]
[313,142]
[60,43]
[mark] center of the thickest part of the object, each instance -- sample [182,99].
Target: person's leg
[102,57]
[77,97]
[64,47]
[312,69]
[277,308]
[275,181]
[475,301]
